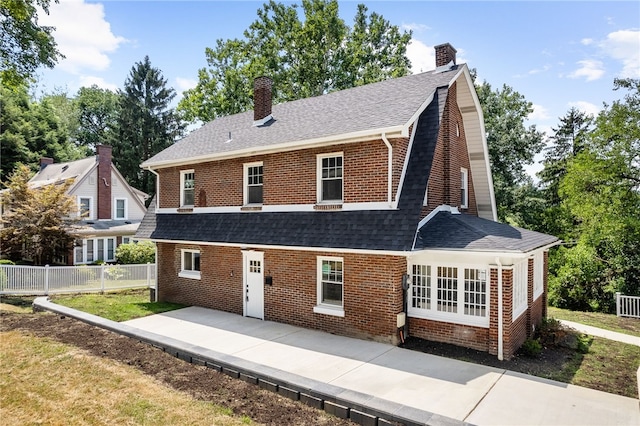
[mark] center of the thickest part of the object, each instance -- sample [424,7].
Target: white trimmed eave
[473,119]
[365,135]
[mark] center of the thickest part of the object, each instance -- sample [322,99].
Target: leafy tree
[36,223]
[305,56]
[512,145]
[24,45]
[30,130]
[601,190]
[146,123]
[136,253]
[97,113]
[568,140]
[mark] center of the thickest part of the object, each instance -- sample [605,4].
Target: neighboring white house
[111,210]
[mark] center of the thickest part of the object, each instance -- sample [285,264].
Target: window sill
[336,311]
[331,205]
[251,208]
[194,275]
[185,209]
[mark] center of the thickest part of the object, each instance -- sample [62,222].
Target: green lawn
[595,319]
[117,306]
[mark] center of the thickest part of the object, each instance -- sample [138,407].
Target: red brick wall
[461,335]
[290,177]
[450,155]
[372,288]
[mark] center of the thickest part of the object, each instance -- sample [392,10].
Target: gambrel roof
[390,106]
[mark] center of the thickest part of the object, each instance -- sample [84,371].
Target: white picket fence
[627,306]
[45,280]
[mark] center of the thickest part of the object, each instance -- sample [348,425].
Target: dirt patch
[200,382]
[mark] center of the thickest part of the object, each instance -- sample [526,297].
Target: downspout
[500,325]
[389,168]
[155,244]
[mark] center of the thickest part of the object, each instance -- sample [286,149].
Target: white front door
[254,284]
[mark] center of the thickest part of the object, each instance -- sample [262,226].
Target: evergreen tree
[146,123]
[306,55]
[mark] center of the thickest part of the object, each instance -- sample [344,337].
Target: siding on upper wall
[88,188]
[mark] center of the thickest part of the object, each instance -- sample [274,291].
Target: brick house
[367,212]
[110,209]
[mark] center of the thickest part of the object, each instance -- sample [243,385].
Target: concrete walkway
[367,381]
[598,332]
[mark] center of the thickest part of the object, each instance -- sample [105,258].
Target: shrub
[136,253]
[7,262]
[531,348]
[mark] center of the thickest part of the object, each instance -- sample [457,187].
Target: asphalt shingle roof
[374,106]
[447,231]
[57,172]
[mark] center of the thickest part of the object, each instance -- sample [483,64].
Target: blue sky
[557,54]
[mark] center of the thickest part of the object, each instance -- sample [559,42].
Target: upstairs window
[330,178]
[253,183]
[120,208]
[187,187]
[464,188]
[84,207]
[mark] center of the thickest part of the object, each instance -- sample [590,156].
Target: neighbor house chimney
[104,181]
[445,53]
[45,161]
[262,100]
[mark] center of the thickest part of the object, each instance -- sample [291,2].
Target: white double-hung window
[520,287]
[190,264]
[187,188]
[120,208]
[330,284]
[253,178]
[464,188]
[85,207]
[330,178]
[538,275]
[452,293]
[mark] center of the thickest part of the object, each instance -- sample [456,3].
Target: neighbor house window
[95,249]
[190,264]
[120,208]
[464,188]
[330,178]
[330,286]
[520,283]
[85,207]
[538,275]
[253,183]
[187,187]
[452,293]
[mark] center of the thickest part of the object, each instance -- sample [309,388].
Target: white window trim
[183,173]
[188,273]
[84,260]
[245,182]
[520,288]
[538,275]
[115,209]
[453,317]
[319,159]
[90,198]
[464,183]
[324,308]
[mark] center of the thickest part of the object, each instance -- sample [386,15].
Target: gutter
[389,168]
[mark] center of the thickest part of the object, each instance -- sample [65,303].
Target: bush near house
[136,253]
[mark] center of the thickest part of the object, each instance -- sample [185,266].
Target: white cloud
[422,57]
[416,28]
[82,34]
[88,81]
[183,84]
[590,69]
[586,107]
[624,46]
[539,113]
[586,41]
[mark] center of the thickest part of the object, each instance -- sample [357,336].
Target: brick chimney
[104,181]
[445,53]
[45,161]
[262,100]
